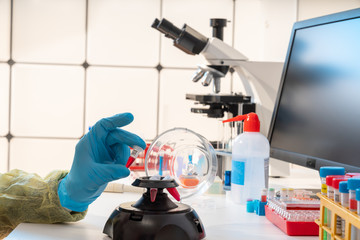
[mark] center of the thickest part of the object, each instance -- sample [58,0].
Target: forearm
[27,197]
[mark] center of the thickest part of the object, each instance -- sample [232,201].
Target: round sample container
[184,155]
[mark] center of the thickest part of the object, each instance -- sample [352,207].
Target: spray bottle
[250,160]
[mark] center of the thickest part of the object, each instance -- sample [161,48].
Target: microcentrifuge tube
[133,155]
[173,191]
[271,193]
[283,194]
[153,193]
[263,195]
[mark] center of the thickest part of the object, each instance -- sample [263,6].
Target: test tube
[330,193]
[329,184]
[173,191]
[263,195]
[344,200]
[250,206]
[227,180]
[325,171]
[283,194]
[353,184]
[357,197]
[290,194]
[161,161]
[133,155]
[271,194]
[299,193]
[335,185]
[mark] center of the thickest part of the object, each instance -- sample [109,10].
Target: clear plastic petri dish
[186,156]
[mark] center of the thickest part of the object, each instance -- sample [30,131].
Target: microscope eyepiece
[155,23]
[166,27]
[186,39]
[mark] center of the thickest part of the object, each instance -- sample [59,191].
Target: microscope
[260,80]
[221,59]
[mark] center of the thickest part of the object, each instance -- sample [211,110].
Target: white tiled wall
[4,99]
[43,97]
[114,90]
[77,61]
[41,155]
[310,8]
[3,154]
[4,30]
[119,32]
[262,28]
[49,31]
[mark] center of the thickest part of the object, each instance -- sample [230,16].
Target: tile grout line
[159,80]
[84,99]
[105,65]
[47,137]
[85,63]
[10,81]
[86,28]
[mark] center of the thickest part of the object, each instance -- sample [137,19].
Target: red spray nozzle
[251,122]
[235,119]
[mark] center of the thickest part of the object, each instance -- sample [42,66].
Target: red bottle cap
[353,174]
[251,122]
[329,179]
[336,181]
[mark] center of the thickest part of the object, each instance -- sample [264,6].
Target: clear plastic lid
[184,155]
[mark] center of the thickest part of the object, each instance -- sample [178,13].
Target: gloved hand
[100,157]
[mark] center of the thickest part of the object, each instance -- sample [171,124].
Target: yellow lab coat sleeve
[26,197]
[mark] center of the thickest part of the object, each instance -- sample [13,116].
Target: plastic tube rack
[351,218]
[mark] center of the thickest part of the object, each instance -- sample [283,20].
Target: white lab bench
[221,218]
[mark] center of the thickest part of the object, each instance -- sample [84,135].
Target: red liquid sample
[153,192]
[130,161]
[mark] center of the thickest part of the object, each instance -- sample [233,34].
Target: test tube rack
[289,227]
[336,209]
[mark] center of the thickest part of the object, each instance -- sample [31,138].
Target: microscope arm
[259,80]
[217,52]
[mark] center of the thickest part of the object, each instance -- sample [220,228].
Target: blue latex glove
[100,157]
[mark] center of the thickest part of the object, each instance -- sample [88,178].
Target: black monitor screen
[317,116]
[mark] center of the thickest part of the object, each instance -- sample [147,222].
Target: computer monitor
[316,120]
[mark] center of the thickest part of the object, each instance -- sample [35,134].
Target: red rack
[292,228]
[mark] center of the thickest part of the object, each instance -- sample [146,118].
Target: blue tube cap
[227,181]
[357,196]
[343,187]
[325,171]
[353,183]
[250,206]
[261,209]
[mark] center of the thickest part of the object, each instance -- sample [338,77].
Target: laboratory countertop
[222,219]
